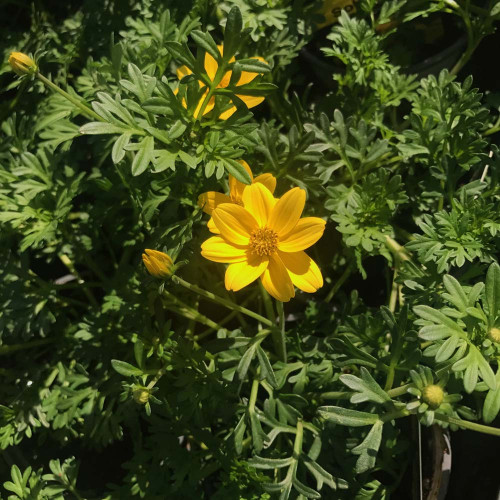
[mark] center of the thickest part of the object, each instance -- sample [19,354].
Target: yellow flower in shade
[157,263]
[211,69]
[22,64]
[265,238]
[212,199]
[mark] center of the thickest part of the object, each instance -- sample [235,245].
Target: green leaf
[266,370]
[456,294]
[269,463]
[492,293]
[232,39]
[368,449]
[253,66]
[207,43]
[118,151]
[491,405]
[143,156]
[237,170]
[344,416]
[366,387]
[124,368]
[97,128]
[176,130]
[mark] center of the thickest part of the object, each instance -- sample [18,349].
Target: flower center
[263,241]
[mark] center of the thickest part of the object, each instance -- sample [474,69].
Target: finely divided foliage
[221,141]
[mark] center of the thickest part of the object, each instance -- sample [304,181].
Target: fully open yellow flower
[211,67]
[158,264]
[212,199]
[265,238]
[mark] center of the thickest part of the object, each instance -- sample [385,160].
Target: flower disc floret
[265,238]
[263,241]
[433,395]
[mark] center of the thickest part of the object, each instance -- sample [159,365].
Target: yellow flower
[211,69]
[22,64]
[265,238]
[157,263]
[212,199]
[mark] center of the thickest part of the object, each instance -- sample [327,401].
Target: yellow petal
[210,66]
[287,211]
[259,201]
[208,108]
[228,113]
[218,249]
[268,180]
[182,71]
[277,281]
[251,100]
[303,271]
[225,80]
[246,76]
[236,187]
[234,223]
[306,233]
[210,200]
[242,274]
[158,264]
[212,227]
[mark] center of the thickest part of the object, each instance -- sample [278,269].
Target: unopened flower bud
[157,263]
[494,334]
[22,64]
[433,395]
[140,395]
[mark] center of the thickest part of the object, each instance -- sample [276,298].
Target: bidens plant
[265,347]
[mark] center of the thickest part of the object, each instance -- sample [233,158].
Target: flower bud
[433,395]
[22,64]
[494,334]
[157,263]
[140,394]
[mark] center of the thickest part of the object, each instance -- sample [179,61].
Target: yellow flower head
[211,67]
[22,64]
[265,238]
[212,199]
[157,263]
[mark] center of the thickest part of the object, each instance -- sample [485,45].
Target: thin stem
[9,349]
[347,272]
[220,300]
[279,335]
[299,436]
[190,312]
[89,112]
[485,429]
[398,251]
[69,264]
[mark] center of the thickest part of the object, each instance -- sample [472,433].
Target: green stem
[347,272]
[393,393]
[299,436]
[220,300]
[485,429]
[9,349]
[190,312]
[67,262]
[85,109]
[398,251]
[279,335]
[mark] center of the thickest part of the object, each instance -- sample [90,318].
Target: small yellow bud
[22,64]
[140,395]
[158,264]
[494,334]
[433,395]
